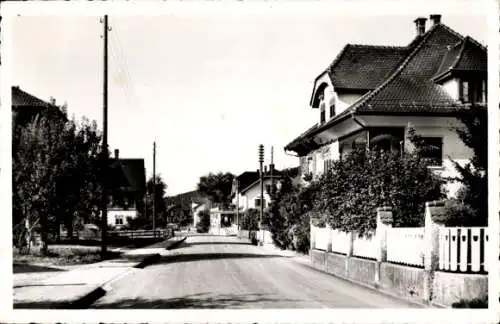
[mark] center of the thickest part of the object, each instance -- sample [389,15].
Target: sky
[209,88]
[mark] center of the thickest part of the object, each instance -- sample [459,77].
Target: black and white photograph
[332,156]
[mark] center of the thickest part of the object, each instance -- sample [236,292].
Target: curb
[89,298]
[176,243]
[148,260]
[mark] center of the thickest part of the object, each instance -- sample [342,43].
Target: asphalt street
[225,272]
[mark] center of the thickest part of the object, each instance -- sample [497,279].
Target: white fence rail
[365,246]
[463,249]
[340,241]
[405,245]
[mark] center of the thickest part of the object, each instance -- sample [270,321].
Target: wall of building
[451,87]
[113,214]
[254,192]
[453,147]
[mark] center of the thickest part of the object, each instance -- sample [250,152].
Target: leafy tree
[474,175]
[56,176]
[217,187]
[35,171]
[159,201]
[250,220]
[204,224]
[289,220]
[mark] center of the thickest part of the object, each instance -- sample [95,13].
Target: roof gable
[130,174]
[411,87]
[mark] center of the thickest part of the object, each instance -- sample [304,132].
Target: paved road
[225,272]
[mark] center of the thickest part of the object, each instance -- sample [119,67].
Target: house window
[473,91]
[332,110]
[482,92]
[464,91]
[322,113]
[433,150]
[327,165]
[257,202]
[119,220]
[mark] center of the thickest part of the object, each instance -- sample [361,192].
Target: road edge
[361,284]
[176,243]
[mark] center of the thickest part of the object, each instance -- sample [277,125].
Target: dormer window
[473,91]
[322,112]
[332,109]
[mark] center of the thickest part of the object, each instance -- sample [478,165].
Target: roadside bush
[459,214]
[288,214]
[204,224]
[351,190]
[250,220]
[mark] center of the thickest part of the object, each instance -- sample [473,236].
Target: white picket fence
[405,245]
[340,241]
[365,246]
[322,238]
[463,249]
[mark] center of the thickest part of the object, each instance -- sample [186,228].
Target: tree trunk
[26,246]
[43,234]
[58,235]
[69,228]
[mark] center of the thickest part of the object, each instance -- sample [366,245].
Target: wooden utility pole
[154,185]
[271,171]
[261,161]
[237,204]
[105,157]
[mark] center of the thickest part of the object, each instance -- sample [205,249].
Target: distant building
[247,195]
[127,190]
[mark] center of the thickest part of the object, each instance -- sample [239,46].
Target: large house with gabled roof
[372,95]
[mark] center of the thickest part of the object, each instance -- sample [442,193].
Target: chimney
[420,23]
[117,154]
[436,19]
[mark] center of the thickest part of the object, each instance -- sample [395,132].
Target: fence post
[312,240]
[350,247]
[384,222]
[431,246]
[329,244]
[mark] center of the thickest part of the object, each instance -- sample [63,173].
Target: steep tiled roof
[21,98]
[364,67]
[406,81]
[129,173]
[411,88]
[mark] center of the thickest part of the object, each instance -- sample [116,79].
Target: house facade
[128,188]
[373,95]
[247,194]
